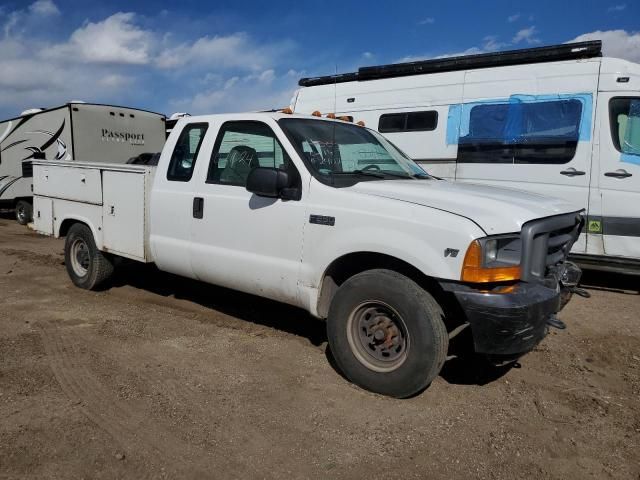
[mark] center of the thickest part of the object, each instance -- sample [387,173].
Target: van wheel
[87,266]
[386,333]
[24,212]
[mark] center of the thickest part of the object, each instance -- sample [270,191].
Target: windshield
[342,154]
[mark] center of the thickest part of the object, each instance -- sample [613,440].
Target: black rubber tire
[24,212]
[423,319]
[100,266]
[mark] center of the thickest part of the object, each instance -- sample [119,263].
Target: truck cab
[329,216]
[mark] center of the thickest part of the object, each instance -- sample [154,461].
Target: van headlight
[493,259]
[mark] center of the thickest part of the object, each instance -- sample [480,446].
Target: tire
[386,333]
[24,212]
[87,266]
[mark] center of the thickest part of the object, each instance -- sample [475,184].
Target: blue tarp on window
[522,119]
[522,123]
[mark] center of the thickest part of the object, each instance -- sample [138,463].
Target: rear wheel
[24,212]
[386,333]
[87,266]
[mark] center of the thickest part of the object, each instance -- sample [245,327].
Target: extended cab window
[624,116]
[185,153]
[519,132]
[408,122]
[241,147]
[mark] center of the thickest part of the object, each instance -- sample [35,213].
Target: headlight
[492,259]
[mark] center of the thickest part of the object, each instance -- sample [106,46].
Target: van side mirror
[271,182]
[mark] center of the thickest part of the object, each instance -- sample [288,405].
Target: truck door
[172,198]
[618,178]
[240,240]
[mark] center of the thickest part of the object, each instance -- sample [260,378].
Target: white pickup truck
[331,217]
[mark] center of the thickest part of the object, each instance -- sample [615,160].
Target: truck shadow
[243,306]
[611,282]
[467,368]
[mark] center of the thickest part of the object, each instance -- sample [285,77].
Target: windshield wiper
[367,173]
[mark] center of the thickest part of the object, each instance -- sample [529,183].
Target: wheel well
[67,224]
[351,264]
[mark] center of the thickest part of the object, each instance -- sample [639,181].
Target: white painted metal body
[598,79]
[268,246]
[110,198]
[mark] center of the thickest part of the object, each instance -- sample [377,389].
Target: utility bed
[114,198]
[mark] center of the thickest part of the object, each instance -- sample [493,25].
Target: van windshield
[342,154]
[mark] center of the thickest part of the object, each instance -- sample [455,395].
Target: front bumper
[512,320]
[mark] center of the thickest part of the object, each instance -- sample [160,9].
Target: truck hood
[496,210]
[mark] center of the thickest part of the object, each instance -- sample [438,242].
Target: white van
[74,131]
[559,120]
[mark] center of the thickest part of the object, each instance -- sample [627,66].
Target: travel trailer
[75,131]
[561,121]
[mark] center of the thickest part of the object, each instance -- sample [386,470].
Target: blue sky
[208,57]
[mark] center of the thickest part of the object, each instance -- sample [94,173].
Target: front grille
[547,242]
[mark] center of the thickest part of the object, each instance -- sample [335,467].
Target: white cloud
[237,50]
[116,40]
[44,8]
[367,55]
[615,43]
[527,35]
[490,43]
[617,8]
[513,18]
[427,21]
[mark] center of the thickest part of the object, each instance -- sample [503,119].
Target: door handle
[198,207]
[620,173]
[572,172]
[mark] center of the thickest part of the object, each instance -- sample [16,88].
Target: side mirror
[269,182]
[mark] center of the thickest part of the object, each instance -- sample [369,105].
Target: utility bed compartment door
[68,183]
[123,214]
[43,215]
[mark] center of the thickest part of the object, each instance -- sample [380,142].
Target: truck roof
[552,53]
[276,115]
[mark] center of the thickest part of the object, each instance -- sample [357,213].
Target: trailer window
[185,153]
[241,147]
[519,132]
[408,122]
[624,117]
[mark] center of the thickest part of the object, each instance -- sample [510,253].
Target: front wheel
[87,266]
[24,212]
[386,333]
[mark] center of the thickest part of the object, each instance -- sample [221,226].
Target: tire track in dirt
[136,433]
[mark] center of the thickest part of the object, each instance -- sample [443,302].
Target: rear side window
[185,153]
[408,122]
[539,132]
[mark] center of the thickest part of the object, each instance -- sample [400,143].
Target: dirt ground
[158,377]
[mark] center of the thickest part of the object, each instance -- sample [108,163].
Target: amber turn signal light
[474,272]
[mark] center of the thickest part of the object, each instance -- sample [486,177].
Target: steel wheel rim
[79,257]
[22,214]
[378,336]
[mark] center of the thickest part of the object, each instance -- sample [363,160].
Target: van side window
[185,153]
[539,132]
[408,122]
[241,147]
[624,117]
